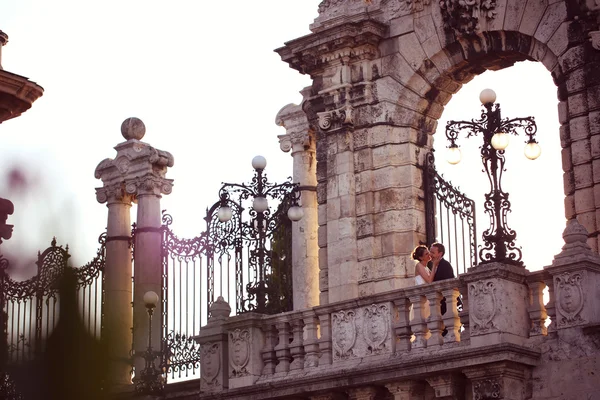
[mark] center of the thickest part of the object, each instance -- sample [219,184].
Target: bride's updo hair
[418,252]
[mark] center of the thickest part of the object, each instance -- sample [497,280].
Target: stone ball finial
[133,128]
[219,310]
[575,232]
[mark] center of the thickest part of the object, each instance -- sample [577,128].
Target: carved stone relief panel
[211,364]
[239,352]
[487,389]
[344,335]
[363,332]
[398,8]
[463,16]
[482,297]
[570,298]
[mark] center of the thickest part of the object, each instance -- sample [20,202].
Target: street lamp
[263,223]
[499,239]
[150,380]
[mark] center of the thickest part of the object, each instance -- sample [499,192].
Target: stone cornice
[17,95]
[139,169]
[416,365]
[347,42]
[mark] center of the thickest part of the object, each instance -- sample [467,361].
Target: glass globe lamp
[500,141]
[260,204]
[487,96]
[532,150]
[295,213]
[453,155]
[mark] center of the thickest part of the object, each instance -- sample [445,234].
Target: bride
[423,274]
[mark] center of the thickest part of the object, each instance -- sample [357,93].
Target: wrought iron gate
[30,308]
[450,218]
[233,259]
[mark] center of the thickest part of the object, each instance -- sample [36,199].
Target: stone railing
[499,327]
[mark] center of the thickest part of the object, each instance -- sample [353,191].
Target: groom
[444,269]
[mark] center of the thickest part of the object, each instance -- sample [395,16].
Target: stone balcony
[501,341]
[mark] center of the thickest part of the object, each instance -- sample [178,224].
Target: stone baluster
[550,306]
[297,345]
[418,324]
[451,319]
[537,311]
[434,322]
[282,350]
[465,334]
[402,325]
[268,351]
[311,341]
[325,344]
[299,138]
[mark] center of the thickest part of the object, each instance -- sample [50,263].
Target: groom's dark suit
[444,271]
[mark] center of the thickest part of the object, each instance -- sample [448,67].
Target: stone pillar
[501,380]
[406,390]
[448,386]
[575,274]
[3,41]
[246,341]
[214,349]
[305,249]
[137,172]
[117,275]
[498,304]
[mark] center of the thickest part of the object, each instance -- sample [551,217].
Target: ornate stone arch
[382,73]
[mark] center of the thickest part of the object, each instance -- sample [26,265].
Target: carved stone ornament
[327,5]
[376,327]
[570,298]
[482,296]
[335,118]
[239,352]
[211,363]
[397,8]
[487,389]
[463,16]
[344,335]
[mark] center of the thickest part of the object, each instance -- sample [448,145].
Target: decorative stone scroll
[463,16]
[335,118]
[239,353]
[483,305]
[570,298]
[363,332]
[487,389]
[211,364]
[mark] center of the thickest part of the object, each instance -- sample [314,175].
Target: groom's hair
[440,247]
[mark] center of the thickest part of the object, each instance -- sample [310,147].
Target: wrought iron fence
[244,260]
[450,219]
[30,307]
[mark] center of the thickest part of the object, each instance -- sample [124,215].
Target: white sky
[205,80]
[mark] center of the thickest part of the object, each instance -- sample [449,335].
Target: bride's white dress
[420,281]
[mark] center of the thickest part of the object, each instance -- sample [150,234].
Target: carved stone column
[137,172]
[305,249]
[117,276]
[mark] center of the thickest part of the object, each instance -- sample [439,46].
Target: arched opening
[535,187]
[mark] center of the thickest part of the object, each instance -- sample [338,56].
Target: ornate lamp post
[499,239]
[263,223]
[150,380]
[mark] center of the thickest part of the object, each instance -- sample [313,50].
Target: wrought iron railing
[450,218]
[30,307]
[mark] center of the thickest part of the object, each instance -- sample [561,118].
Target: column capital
[298,132]
[138,169]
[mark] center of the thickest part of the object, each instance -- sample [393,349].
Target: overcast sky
[205,80]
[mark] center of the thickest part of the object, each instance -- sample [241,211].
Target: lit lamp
[150,380]
[263,223]
[499,239]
